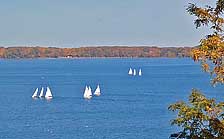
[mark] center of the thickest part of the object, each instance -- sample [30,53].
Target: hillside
[105,51]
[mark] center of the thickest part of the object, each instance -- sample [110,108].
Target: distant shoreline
[93,52]
[80,58]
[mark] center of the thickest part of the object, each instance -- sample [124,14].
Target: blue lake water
[129,107]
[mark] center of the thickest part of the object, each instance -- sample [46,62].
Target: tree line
[104,51]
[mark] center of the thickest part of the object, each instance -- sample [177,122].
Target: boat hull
[34,97]
[48,97]
[88,97]
[97,94]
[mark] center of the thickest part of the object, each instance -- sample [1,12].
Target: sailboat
[48,94]
[140,72]
[97,91]
[90,92]
[130,71]
[87,93]
[41,93]
[134,73]
[35,93]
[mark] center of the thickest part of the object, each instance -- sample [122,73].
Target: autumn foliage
[211,49]
[203,118]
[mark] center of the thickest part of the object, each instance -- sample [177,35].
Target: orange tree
[203,118]
[211,49]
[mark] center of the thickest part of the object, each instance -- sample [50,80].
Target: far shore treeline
[104,51]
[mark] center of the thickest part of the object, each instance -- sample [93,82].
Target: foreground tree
[211,49]
[203,118]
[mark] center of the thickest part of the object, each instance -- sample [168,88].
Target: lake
[130,107]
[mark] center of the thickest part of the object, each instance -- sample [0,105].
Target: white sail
[134,73]
[97,91]
[130,71]
[90,91]
[48,94]
[41,92]
[35,93]
[140,72]
[85,92]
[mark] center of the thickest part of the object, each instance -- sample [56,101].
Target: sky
[76,23]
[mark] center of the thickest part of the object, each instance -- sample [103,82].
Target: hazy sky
[74,23]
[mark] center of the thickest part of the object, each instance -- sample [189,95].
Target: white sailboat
[41,93]
[35,93]
[87,93]
[97,91]
[90,92]
[134,72]
[130,71]
[140,72]
[48,94]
